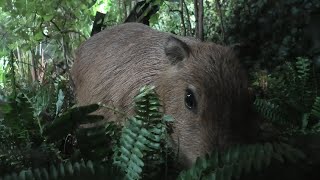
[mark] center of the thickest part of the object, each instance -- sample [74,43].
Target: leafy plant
[143,138]
[141,147]
[235,161]
[290,97]
[78,170]
[39,126]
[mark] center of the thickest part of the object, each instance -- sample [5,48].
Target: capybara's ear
[176,50]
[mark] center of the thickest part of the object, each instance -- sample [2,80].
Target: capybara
[201,85]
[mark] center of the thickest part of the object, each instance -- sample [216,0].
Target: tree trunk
[125,13]
[34,66]
[120,10]
[130,5]
[183,26]
[195,2]
[219,11]
[188,19]
[200,14]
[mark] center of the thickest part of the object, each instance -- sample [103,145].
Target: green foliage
[23,113]
[20,136]
[316,108]
[31,22]
[70,120]
[10,157]
[96,143]
[306,121]
[170,19]
[38,126]
[37,45]
[143,137]
[34,41]
[141,148]
[265,28]
[290,97]
[18,114]
[269,110]
[289,103]
[265,40]
[235,161]
[78,170]
[92,142]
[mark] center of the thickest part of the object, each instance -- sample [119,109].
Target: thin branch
[73,31]
[13,76]
[175,10]
[218,5]
[195,2]
[182,18]
[112,108]
[188,17]
[55,25]
[67,31]
[201,14]
[4,34]
[125,8]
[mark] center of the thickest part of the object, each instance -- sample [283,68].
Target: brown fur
[112,65]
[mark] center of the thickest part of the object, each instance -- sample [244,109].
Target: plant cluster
[43,136]
[140,148]
[268,32]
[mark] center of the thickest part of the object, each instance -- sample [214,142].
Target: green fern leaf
[316,108]
[269,110]
[66,171]
[239,159]
[303,68]
[143,136]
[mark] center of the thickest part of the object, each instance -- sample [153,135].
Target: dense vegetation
[277,41]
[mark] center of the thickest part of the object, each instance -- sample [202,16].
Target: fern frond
[269,110]
[69,121]
[143,135]
[78,170]
[232,163]
[315,110]
[305,85]
[303,69]
[96,142]
[293,85]
[19,116]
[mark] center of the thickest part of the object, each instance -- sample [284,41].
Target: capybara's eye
[190,100]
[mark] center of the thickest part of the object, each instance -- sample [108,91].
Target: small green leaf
[48,17]
[61,170]
[44,173]
[22,175]
[59,102]
[212,176]
[53,172]
[69,168]
[38,36]
[154,18]
[76,168]
[37,173]
[5,108]
[29,174]
[305,121]
[168,118]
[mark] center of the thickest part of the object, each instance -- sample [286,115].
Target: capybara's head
[206,92]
